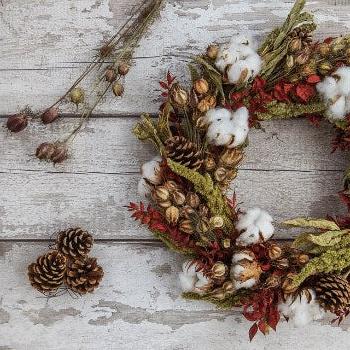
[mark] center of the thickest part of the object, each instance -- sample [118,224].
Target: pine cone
[83,276]
[74,243]
[183,151]
[332,292]
[47,274]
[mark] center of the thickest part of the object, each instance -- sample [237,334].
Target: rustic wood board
[288,169]
[138,306]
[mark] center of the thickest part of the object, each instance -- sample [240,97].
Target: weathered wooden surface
[138,306]
[288,170]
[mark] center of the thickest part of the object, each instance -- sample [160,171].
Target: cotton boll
[337,110]
[254,64]
[143,189]
[246,284]
[254,224]
[150,170]
[189,268]
[344,81]
[242,256]
[301,312]
[243,39]
[217,114]
[187,282]
[225,57]
[328,88]
[234,73]
[220,134]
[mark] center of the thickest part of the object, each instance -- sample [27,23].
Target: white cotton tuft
[255,224]
[227,128]
[150,170]
[243,39]
[189,268]
[241,256]
[300,312]
[187,282]
[336,92]
[226,56]
[246,284]
[337,109]
[143,189]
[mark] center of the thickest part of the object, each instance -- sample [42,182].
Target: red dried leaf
[170,78]
[305,92]
[164,85]
[252,331]
[263,327]
[273,318]
[313,79]
[164,94]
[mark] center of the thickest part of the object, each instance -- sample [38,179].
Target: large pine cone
[183,151]
[74,243]
[83,276]
[47,274]
[332,292]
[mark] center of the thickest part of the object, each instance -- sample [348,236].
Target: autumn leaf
[252,331]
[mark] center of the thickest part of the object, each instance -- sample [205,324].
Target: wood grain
[137,306]
[42,51]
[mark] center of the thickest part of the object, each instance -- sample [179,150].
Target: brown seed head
[201,86]
[45,151]
[324,49]
[206,103]
[118,89]
[274,252]
[60,154]
[192,199]
[172,215]
[50,115]
[295,45]
[303,259]
[161,194]
[17,122]
[77,95]
[209,163]
[288,285]
[186,226]
[325,68]
[302,58]
[123,69]
[110,75]
[178,197]
[212,51]
[178,95]
[220,174]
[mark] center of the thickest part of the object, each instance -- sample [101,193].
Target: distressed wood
[42,51]
[107,145]
[138,305]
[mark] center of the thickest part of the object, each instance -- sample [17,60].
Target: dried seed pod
[303,259]
[206,103]
[178,96]
[324,49]
[308,69]
[203,210]
[295,45]
[201,123]
[172,215]
[165,204]
[201,86]
[60,154]
[118,89]
[219,269]
[273,281]
[212,51]
[161,194]
[187,211]
[216,222]
[186,226]
[178,197]
[274,252]
[287,285]
[192,199]
[171,185]
[202,226]
[302,58]
[290,61]
[228,287]
[209,163]
[282,263]
[123,69]
[17,122]
[110,75]
[231,157]
[220,174]
[50,115]
[45,151]
[226,243]
[77,95]
[325,68]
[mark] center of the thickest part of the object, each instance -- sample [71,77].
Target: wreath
[201,133]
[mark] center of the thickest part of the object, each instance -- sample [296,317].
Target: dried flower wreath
[201,133]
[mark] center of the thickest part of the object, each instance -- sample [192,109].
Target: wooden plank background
[288,170]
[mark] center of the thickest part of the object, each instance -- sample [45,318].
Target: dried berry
[17,122]
[50,115]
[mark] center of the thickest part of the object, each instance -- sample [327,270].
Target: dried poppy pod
[17,122]
[83,276]
[50,115]
[47,273]
[74,243]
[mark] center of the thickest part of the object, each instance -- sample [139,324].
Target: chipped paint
[48,316]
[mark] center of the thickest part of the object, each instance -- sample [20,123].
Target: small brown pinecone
[83,276]
[74,243]
[183,151]
[332,292]
[47,274]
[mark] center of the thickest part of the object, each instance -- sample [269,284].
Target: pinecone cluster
[67,264]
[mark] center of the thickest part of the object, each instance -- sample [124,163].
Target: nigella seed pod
[192,200]
[50,115]
[172,215]
[178,197]
[45,151]
[110,75]
[123,69]
[77,95]
[17,122]
[118,89]
[179,96]
[60,154]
